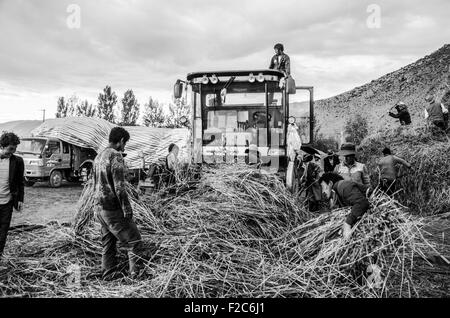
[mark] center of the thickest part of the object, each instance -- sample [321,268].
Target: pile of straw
[239,233]
[426,188]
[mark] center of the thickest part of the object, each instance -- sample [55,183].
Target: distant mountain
[22,128]
[373,100]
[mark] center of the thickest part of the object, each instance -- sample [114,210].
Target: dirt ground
[44,204]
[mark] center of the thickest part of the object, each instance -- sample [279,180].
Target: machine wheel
[56,179]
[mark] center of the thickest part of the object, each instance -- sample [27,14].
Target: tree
[72,105]
[154,114]
[106,102]
[176,111]
[61,108]
[67,108]
[356,129]
[85,109]
[129,110]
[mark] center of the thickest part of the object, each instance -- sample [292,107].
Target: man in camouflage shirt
[115,214]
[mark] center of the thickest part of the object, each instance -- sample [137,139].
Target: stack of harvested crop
[376,261]
[426,188]
[238,233]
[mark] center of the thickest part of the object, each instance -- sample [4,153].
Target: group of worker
[435,112]
[114,213]
[348,183]
[345,183]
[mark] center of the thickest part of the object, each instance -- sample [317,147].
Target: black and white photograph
[224,154]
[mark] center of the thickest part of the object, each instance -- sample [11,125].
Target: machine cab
[237,113]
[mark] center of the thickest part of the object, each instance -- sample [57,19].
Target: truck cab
[53,160]
[237,113]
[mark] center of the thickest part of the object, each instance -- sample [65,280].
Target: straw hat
[347,149]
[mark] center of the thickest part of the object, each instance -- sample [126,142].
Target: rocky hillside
[373,100]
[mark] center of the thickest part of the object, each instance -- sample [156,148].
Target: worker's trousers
[115,227]
[440,124]
[314,193]
[6,211]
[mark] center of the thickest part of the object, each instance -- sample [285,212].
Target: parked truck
[53,160]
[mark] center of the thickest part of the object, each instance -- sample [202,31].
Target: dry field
[248,250]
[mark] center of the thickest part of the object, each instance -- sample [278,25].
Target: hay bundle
[232,199]
[237,195]
[238,234]
[87,207]
[426,186]
[376,261]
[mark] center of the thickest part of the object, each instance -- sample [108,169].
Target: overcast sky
[145,45]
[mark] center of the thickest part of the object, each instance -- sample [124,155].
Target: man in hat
[330,161]
[388,171]
[350,169]
[402,114]
[343,193]
[435,112]
[280,61]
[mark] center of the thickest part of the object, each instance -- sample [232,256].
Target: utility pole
[43,115]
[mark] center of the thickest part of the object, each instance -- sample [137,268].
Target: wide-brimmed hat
[401,106]
[347,149]
[330,153]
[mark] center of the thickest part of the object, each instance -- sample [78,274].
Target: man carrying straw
[388,171]
[115,214]
[343,193]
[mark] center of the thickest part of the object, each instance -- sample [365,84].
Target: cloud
[147,45]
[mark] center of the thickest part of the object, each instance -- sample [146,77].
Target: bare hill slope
[410,84]
[22,128]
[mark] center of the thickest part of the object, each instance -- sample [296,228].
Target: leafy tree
[85,109]
[72,105]
[129,110]
[356,129]
[61,108]
[154,114]
[67,108]
[176,111]
[106,102]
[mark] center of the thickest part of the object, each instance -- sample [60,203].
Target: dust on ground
[44,204]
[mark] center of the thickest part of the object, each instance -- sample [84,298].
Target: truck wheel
[56,179]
